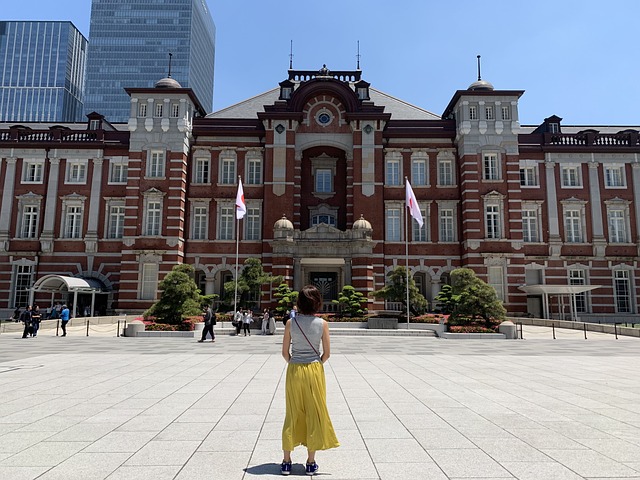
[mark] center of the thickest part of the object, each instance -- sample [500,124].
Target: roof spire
[170,55]
[291,56]
[479,77]
[358,57]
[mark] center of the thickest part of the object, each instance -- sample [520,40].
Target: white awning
[60,283]
[557,289]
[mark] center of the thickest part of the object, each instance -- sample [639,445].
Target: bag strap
[305,337]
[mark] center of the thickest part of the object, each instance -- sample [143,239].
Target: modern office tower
[42,72]
[130,42]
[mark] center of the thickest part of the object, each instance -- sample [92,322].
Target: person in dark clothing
[36,316]
[209,317]
[25,317]
[16,315]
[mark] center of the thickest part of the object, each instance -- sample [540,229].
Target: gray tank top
[301,351]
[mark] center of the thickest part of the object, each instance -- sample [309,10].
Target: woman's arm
[286,342]
[326,343]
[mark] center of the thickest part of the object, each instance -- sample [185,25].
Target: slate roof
[399,109]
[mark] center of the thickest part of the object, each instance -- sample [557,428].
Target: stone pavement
[102,407]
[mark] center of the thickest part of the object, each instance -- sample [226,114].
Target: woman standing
[307,419]
[265,321]
[247,318]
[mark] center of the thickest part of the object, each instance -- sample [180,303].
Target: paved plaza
[102,407]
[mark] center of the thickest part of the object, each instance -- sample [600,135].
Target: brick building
[548,214]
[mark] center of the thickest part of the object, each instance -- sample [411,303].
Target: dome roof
[361,224]
[480,85]
[167,82]
[283,224]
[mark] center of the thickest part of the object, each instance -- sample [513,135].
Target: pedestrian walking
[209,317]
[36,316]
[247,318]
[307,420]
[265,322]
[25,318]
[65,315]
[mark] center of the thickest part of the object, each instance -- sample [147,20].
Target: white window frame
[418,233]
[496,279]
[614,176]
[76,172]
[202,170]
[446,175]
[574,228]
[22,279]
[159,110]
[578,276]
[253,222]
[393,214]
[142,110]
[156,163]
[554,127]
[149,281]
[489,112]
[199,221]
[253,168]
[447,222]
[473,112]
[531,232]
[623,297]
[116,213]
[118,171]
[73,221]
[529,176]
[506,112]
[226,221]
[153,217]
[419,170]
[393,169]
[33,172]
[618,221]
[228,168]
[491,166]
[30,220]
[175,110]
[571,176]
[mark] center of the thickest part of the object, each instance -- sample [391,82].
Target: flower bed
[470,329]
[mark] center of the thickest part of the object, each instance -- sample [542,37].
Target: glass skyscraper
[129,46]
[42,72]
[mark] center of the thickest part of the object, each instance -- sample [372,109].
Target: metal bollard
[57,327]
[615,329]
[553,328]
[87,327]
[118,330]
[585,330]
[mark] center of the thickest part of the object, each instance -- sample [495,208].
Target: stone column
[91,238]
[635,168]
[599,242]
[297,274]
[51,204]
[555,242]
[7,202]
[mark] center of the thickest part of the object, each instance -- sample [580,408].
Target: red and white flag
[241,207]
[412,204]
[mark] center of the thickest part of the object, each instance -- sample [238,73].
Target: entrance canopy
[560,291]
[59,283]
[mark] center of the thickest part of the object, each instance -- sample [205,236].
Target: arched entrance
[84,296]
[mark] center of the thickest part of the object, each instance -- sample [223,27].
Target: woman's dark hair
[309,300]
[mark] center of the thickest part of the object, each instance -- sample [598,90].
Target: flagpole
[406,249]
[235,295]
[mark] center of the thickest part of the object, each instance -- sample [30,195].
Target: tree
[447,301]
[474,298]
[396,291]
[180,297]
[250,282]
[286,298]
[351,301]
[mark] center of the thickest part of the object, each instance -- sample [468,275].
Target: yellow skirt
[307,419]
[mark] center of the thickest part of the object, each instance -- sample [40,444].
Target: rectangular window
[201,170]
[445,172]
[506,113]
[496,280]
[529,176]
[33,172]
[94,124]
[446,225]
[490,167]
[156,164]
[154,215]
[324,178]
[22,283]
[530,226]
[577,277]
[159,110]
[393,225]
[142,110]
[77,173]
[614,176]
[392,174]
[200,216]
[488,113]
[419,172]
[175,110]
[623,291]
[473,113]
[554,128]
[228,171]
[29,221]
[254,174]
[419,233]
[115,227]
[492,215]
[571,177]
[226,223]
[73,222]
[617,226]
[149,281]
[573,226]
[252,223]
[119,173]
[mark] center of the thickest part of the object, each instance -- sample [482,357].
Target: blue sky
[574,59]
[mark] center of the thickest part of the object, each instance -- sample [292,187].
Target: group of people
[31,318]
[242,320]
